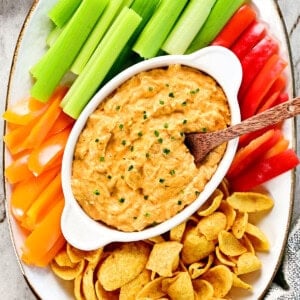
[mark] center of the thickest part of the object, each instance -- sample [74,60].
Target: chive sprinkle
[156,133]
[130,167]
[166,151]
[96,192]
[172,172]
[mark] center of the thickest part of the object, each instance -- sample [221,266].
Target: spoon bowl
[87,234]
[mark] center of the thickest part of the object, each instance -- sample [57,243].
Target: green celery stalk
[100,63]
[157,29]
[128,3]
[145,9]
[127,57]
[187,27]
[219,16]
[56,62]
[113,7]
[53,35]
[62,11]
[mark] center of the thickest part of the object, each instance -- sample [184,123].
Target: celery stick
[219,16]
[95,37]
[187,27]
[99,64]
[127,57]
[158,28]
[128,3]
[53,35]
[58,59]
[62,11]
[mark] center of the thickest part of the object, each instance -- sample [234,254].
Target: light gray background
[12,15]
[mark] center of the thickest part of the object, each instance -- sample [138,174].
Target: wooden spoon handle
[269,117]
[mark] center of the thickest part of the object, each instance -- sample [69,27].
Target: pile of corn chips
[201,258]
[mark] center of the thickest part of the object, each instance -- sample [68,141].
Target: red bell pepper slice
[283,97]
[243,17]
[254,61]
[260,86]
[265,170]
[279,147]
[273,94]
[253,151]
[249,39]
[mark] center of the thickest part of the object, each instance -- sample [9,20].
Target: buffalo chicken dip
[131,168]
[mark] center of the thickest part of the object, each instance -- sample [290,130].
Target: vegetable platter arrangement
[79,45]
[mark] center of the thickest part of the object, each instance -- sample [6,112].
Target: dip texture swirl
[131,168]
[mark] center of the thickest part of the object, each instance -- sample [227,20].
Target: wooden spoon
[200,144]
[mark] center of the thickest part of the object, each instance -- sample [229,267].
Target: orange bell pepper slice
[14,140]
[41,129]
[44,237]
[51,150]
[44,202]
[18,169]
[25,192]
[61,123]
[24,111]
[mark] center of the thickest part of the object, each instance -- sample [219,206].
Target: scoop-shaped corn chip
[223,259]
[229,244]
[195,246]
[88,280]
[239,283]
[131,289]
[247,263]
[102,294]
[203,289]
[248,244]
[164,258]
[152,290]
[179,287]
[78,293]
[156,239]
[77,255]
[220,277]
[67,272]
[211,204]
[198,268]
[258,239]
[250,202]
[229,212]
[240,224]
[123,265]
[177,232]
[62,259]
[224,187]
[211,225]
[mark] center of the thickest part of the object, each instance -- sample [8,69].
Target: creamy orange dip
[131,168]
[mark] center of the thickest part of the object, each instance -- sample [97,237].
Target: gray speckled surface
[12,15]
